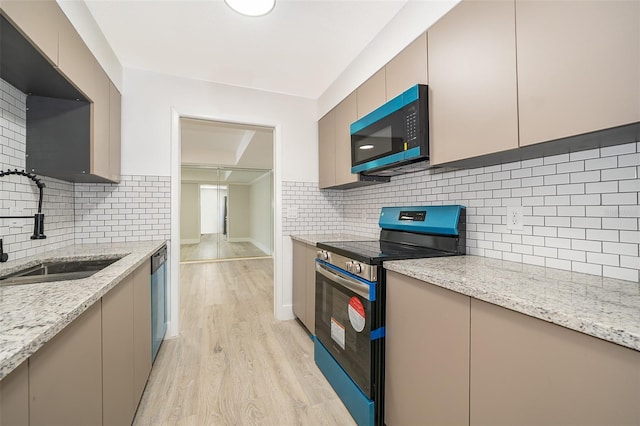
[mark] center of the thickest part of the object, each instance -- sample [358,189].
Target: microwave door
[379,140]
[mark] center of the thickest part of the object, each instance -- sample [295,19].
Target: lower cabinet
[427,354]
[14,397]
[94,371]
[304,284]
[65,375]
[454,360]
[141,329]
[126,343]
[525,371]
[117,352]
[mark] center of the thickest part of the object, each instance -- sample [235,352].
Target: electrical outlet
[292,212]
[514,218]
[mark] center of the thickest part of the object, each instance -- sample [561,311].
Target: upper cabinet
[371,94]
[346,113]
[407,68]
[472,81]
[578,67]
[327,150]
[41,20]
[73,116]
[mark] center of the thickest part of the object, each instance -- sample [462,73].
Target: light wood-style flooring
[233,363]
[215,246]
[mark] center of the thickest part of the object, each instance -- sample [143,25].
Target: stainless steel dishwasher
[158,299]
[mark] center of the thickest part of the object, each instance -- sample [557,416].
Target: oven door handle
[343,280]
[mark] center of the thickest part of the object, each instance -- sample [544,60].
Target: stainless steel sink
[56,271]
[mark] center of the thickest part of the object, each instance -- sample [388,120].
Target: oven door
[345,317]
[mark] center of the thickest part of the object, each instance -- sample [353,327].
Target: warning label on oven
[337,332]
[356,314]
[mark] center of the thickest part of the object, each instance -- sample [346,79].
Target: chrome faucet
[38,218]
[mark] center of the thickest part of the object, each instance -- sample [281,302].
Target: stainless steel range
[350,294]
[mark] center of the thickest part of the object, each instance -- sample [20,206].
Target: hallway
[233,363]
[216,246]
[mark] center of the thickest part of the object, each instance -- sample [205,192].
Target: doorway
[226,205]
[225,214]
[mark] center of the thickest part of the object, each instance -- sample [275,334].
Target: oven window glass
[343,326]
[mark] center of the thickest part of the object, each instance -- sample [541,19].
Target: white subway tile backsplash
[629,224]
[601,163]
[573,233]
[588,176]
[581,209]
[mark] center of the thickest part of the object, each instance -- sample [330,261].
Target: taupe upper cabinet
[327,150]
[407,68]
[371,94]
[472,81]
[346,113]
[87,145]
[41,20]
[578,67]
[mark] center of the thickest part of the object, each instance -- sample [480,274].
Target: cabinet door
[39,21]
[472,81]
[327,150]
[118,354]
[407,68]
[80,66]
[310,284]
[65,375]
[525,371]
[141,328]
[14,397]
[371,94]
[426,355]
[345,115]
[299,290]
[115,130]
[578,67]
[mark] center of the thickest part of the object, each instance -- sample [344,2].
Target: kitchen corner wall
[581,210]
[137,209]
[22,193]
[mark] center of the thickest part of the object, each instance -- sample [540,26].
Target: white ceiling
[213,176]
[205,142]
[300,48]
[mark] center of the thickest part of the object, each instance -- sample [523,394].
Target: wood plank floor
[215,246]
[233,363]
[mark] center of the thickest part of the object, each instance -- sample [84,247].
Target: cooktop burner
[376,252]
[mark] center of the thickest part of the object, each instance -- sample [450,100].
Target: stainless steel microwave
[394,138]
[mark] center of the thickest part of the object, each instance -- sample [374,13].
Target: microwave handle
[345,281]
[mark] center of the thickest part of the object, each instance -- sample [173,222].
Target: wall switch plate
[16,211]
[514,218]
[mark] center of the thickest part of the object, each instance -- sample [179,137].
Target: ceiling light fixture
[251,7]
[366,147]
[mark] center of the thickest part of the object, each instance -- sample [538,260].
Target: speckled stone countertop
[602,307]
[314,239]
[32,314]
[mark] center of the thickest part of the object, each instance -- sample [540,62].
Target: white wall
[190,218]
[238,214]
[78,13]
[412,20]
[212,209]
[152,105]
[261,213]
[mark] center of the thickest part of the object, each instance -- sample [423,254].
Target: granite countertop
[314,239]
[606,308]
[32,314]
